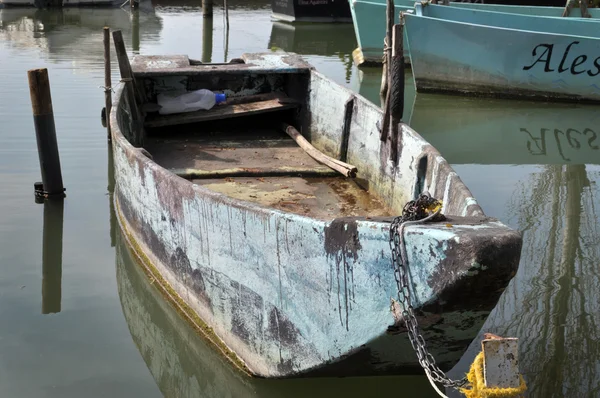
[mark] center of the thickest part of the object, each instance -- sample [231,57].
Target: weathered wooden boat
[281,262]
[368,17]
[457,51]
[311,11]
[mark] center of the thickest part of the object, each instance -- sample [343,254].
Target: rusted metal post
[107,79]
[52,256]
[501,362]
[207,8]
[45,132]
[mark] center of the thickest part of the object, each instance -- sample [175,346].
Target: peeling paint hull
[285,295]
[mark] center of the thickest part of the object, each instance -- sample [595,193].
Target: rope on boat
[478,388]
[107,89]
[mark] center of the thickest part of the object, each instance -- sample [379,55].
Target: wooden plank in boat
[233,156]
[219,112]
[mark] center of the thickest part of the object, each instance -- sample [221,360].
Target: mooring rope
[107,89]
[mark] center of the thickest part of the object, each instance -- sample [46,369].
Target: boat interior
[240,148]
[249,158]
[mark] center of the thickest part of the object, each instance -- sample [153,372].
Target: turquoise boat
[455,50]
[368,17]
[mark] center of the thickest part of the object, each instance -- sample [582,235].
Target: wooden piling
[134,98]
[107,79]
[207,8]
[396,88]
[52,256]
[384,92]
[207,40]
[45,132]
[135,31]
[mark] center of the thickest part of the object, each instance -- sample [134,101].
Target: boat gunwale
[500,28]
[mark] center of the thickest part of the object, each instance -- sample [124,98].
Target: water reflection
[332,40]
[552,304]
[74,33]
[52,243]
[554,308]
[484,131]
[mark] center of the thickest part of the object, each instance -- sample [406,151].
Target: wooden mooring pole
[107,80]
[207,40]
[45,132]
[207,8]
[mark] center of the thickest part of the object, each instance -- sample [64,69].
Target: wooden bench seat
[244,106]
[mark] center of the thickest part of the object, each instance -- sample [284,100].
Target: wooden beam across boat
[256,172]
[227,111]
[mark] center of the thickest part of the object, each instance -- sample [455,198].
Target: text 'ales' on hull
[266,219]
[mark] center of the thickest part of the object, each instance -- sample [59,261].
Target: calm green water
[78,320]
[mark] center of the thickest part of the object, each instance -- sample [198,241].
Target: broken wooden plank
[344,168]
[219,112]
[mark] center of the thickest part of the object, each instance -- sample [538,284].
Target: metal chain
[423,209]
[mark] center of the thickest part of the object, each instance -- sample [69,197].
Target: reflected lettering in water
[537,145]
[482,131]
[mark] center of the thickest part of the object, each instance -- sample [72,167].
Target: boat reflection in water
[482,131]
[183,365]
[316,39]
[546,157]
[75,33]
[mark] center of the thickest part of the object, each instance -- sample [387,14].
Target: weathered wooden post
[45,132]
[135,31]
[207,40]
[397,78]
[134,98]
[107,80]
[207,8]
[52,256]
[394,106]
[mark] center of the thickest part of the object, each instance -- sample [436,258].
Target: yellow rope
[478,388]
